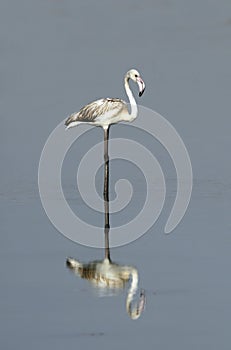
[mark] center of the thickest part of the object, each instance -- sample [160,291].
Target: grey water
[55,57]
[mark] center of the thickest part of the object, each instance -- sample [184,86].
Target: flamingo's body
[107,111]
[107,275]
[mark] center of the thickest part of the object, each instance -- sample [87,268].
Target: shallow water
[57,56]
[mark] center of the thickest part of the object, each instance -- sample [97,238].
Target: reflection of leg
[106,193]
[107,248]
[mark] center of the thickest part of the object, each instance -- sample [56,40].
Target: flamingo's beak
[141,85]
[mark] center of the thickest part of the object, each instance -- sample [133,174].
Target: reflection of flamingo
[108,275]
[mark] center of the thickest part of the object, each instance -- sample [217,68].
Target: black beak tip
[141,93]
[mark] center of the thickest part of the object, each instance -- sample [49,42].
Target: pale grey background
[55,57]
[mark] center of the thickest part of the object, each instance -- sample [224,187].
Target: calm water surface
[55,57]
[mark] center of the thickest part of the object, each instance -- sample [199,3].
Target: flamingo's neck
[132,101]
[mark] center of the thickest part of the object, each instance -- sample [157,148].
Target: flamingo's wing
[96,109]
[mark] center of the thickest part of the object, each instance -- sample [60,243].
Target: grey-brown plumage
[97,109]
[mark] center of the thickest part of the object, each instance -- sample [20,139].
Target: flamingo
[107,111]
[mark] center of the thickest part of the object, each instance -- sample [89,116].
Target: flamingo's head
[135,76]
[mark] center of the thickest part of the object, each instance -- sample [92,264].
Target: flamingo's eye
[136,76]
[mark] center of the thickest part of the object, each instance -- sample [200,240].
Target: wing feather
[96,109]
